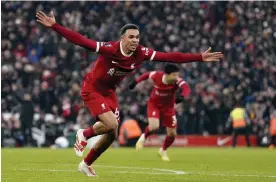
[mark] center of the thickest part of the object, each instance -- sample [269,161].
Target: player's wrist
[201,57]
[54,25]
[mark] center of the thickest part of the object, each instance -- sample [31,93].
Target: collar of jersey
[122,51]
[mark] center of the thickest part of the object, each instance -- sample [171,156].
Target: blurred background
[42,73]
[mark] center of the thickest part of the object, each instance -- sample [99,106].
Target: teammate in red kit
[161,104]
[116,60]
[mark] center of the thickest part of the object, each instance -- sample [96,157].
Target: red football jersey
[163,94]
[113,65]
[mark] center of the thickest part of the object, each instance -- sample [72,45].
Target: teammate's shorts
[99,104]
[166,115]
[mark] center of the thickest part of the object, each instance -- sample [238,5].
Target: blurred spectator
[240,123]
[26,115]
[129,133]
[46,98]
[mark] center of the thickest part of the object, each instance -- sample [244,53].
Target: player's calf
[101,145]
[153,126]
[171,133]
[168,142]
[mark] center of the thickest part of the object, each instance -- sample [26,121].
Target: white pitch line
[64,170]
[164,171]
[232,175]
[130,167]
[142,168]
[47,170]
[141,172]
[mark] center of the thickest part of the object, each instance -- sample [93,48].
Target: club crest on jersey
[103,106]
[146,50]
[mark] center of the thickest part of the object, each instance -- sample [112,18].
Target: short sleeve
[180,82]
[152,75]
[104,47]
[148,53]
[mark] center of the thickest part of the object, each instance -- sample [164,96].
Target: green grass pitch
[128,165]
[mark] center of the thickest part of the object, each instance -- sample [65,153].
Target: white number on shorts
[117,114]
[174,121]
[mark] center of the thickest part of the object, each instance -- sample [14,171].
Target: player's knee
[112,126]
[153,127]
[171,133]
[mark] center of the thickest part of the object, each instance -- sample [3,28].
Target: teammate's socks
[89,132]
[147,132]
[168,142]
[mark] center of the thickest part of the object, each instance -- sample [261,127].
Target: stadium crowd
[42,72]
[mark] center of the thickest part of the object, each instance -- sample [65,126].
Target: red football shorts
[166,115]
[99,104]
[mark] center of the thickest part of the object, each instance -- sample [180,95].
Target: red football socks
[147,132]
[92,156]
[89,132]
[168,142]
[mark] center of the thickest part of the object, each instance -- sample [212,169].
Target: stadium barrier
[200,141]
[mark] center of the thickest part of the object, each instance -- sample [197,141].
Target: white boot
[163,154]
[140,143]
[87,170]
[80,143]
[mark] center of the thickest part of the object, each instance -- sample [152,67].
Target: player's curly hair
[171,68]
[128,26]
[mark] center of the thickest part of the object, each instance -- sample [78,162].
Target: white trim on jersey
[98,47]
[152,56]
[181,83]
[152,73]
[122,51]
[164,80]
[179,80]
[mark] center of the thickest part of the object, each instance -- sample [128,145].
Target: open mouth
[133,46]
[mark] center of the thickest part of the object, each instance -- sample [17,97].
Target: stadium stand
[37,61]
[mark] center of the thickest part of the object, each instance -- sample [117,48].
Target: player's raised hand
[47,21]
[209,56]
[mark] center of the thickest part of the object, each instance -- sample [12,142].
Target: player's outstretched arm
[141,78]
[178,57]
[185,90]
[74,37]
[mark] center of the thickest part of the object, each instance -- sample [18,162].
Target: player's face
[131,39]
[173,77]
